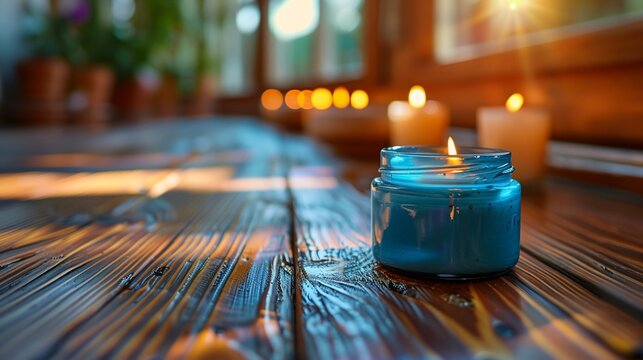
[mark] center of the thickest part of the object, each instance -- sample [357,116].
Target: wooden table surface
[225,238]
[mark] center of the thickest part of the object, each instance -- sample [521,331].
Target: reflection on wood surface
[537,310]
[266,254]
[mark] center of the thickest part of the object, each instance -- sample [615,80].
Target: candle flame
[417,97]
[514,102]
[451,147]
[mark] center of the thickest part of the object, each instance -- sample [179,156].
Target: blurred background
[89,62]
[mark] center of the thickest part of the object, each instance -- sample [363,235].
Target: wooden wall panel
[592,83]
[601,107]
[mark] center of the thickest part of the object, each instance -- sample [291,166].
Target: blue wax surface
[446,230]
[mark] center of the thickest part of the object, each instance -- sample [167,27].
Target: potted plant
[200,97]
[130,57]
[168,56]
[92,78]
[43,77]
[201,89]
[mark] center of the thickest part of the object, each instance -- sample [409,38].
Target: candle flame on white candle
[451,147]
[417,97]
[514,102]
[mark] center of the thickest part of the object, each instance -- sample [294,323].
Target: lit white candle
[523,131]
[418,122]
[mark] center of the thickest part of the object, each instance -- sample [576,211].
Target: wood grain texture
[236,241]
[554,304]
[183,269]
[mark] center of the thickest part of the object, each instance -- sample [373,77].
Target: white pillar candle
[418,122]
[523,131]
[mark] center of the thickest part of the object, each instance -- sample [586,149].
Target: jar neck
[417,166]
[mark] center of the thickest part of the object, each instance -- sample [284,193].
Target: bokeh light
[359,99]
[272,99]
[123,10]
[292,19]
[341,97]
[304,99]
[291,99]
[248,18]
[322,98]
[346,14]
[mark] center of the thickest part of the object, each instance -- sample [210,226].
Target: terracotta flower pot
[132,100]
[90,93]
[201,101]
[42,79]
[95,82]
[38,113]
[166,98]
[42,90]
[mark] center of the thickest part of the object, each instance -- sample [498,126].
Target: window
[467,29]
[314,41]
[238,39]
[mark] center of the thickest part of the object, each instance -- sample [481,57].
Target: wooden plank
[594,238]
[72,262]
[222,277]
[60,284]
[612,324]
[197,261]
[198,264]
[349,306]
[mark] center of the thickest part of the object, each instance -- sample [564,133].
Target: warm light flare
[451,147]
[417,97]
[513,4]
[359,99]
[321,99]
[341,97]
[514,103]
[151,183]
[271,99]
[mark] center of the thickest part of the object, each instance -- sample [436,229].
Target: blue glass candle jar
[446,216]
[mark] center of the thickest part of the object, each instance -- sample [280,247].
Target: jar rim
[437,152]
[417,165]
